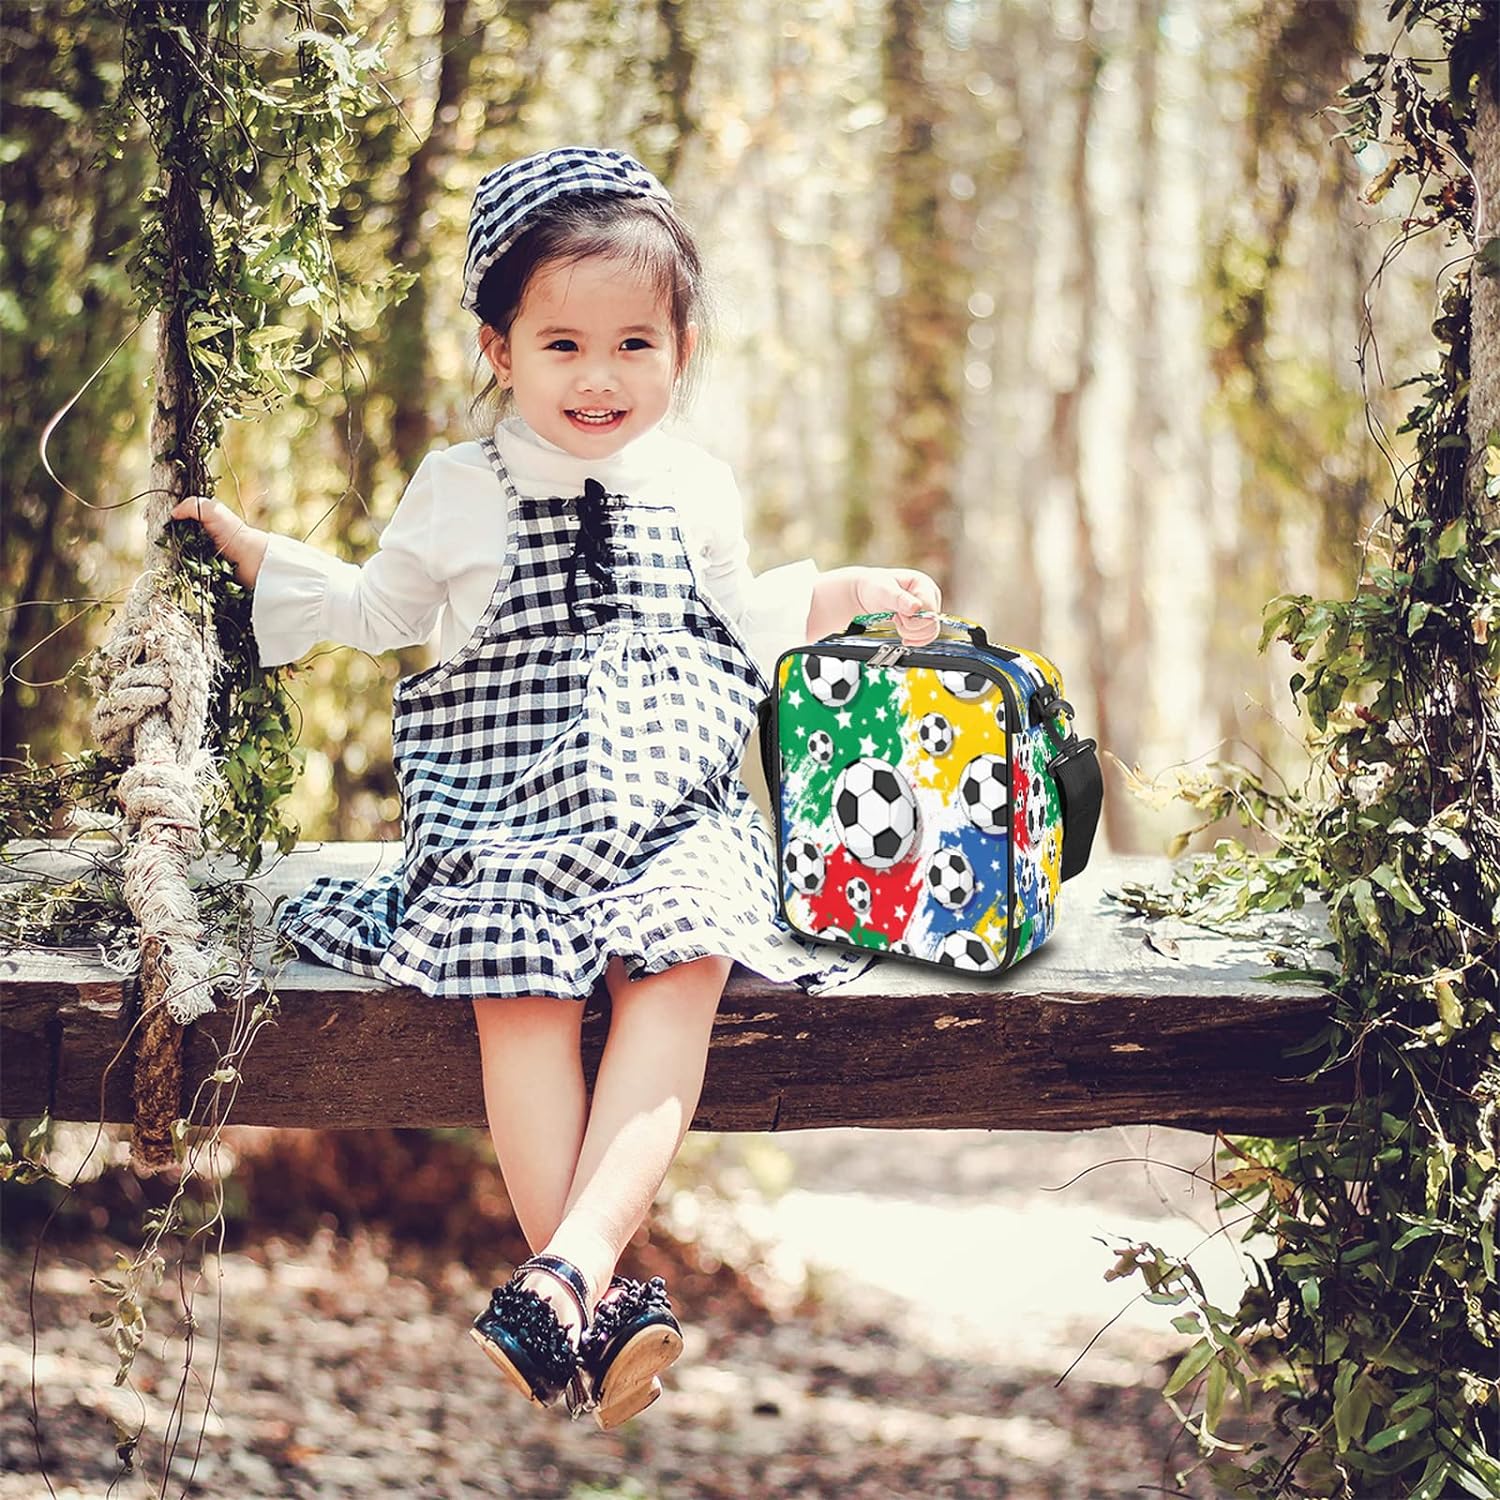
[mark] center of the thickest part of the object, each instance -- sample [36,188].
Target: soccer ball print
[967,950]
[950,878]
[875,811]
[895,794]
[803,866]
[1037,836]
[984,792]
[934,734]
[833,680]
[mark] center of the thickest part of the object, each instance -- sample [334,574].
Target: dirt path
[949,1294]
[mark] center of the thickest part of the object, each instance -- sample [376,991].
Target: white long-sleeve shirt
[441,553]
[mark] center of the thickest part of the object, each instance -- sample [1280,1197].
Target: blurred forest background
[1069,302]
[1061,300]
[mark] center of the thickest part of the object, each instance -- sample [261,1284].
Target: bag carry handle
[949,624]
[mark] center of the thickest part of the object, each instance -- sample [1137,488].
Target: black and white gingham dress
[570,784]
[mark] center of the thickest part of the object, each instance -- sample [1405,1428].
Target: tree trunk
[672,71]
[155,646]
[1484,337]
[1081,292]
[995,569]
[1145,429]
[403,367]
[927,315]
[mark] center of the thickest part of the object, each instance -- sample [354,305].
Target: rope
[157,669]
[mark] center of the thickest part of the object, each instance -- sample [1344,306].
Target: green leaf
[261,338]
[1399,1432]
[1447,839]
[1213,1399]
[1414,1397]
[1417,1232]
[1477,1472]
[1363,896]
[1453,539]
[1188,1366]
[1312,1295]
[1351,1404]
[1439,1162]
[1450,1011]
[1392,881]
[1434,1478]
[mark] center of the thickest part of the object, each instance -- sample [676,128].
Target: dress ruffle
[444,939]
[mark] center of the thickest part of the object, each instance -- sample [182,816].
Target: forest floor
[901,1308]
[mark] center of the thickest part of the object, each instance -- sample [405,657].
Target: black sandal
[524,1336]
[633,1337]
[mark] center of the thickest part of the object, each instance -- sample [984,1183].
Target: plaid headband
[507,198]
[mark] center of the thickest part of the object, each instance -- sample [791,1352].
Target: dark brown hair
[644,232]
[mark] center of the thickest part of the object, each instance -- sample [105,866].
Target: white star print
[866,745]
[845,718]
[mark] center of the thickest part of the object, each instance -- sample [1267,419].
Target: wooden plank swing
[1114,1021]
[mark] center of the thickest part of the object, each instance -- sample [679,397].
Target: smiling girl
[572,808]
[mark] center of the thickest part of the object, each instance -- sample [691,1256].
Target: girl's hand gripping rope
[240,542]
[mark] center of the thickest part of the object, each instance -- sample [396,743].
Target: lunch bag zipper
[897,653]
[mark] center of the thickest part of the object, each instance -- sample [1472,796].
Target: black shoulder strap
[767,744]
[1080,786]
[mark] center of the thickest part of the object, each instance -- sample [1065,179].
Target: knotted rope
[153,712]
[157,670]
[155,674]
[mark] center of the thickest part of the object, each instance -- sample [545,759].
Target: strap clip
[1072,748]
[1045,704]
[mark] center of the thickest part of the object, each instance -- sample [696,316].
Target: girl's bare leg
[645,1095]
[535,1101]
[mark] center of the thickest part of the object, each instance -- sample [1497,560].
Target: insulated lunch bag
[928,800]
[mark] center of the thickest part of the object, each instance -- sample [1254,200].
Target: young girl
[569,770]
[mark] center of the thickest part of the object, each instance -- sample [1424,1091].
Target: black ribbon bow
[592,554]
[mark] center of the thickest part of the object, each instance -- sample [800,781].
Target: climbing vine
[255,125]
[273,129]
[266,134]
[1373,1318]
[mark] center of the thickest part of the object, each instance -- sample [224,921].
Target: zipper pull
[887,655]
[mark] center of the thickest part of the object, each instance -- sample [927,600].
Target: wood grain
[1100,1027]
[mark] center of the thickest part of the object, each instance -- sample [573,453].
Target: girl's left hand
[906,592]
